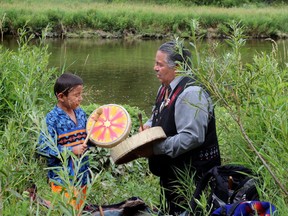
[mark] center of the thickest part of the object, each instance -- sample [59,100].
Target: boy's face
[73,99]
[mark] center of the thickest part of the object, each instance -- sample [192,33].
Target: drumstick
[140,120]
[98,113]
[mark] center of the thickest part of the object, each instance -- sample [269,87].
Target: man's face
[164,73]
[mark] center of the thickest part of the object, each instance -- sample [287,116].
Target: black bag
[227,184]
[131,207]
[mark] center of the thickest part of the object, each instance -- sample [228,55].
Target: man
[185,112]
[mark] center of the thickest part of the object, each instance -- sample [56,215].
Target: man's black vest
[202,158]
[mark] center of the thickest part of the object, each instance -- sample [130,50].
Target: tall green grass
[138,18]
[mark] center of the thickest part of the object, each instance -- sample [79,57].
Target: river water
[120,71]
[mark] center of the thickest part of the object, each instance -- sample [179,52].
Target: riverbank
[136,20]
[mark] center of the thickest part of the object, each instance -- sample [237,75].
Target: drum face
[113,126]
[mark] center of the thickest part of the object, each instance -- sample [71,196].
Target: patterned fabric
[247,208]
[72,138]
[68,134]
[76,199]
[209,153]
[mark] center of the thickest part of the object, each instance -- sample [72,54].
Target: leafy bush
[22,73]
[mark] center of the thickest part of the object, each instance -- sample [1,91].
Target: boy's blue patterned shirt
[63,130]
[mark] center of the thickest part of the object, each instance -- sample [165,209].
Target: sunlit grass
[145,18]
[42,6]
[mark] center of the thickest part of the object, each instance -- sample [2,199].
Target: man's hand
[144,128]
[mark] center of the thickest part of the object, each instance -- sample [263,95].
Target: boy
[66,124]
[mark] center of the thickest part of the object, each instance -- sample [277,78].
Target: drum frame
[131,148]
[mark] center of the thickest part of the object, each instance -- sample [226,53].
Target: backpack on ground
[226,184]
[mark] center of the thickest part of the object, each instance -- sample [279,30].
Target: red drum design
[112,126]
[136,146]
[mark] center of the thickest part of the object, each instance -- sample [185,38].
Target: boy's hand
[79,149]
[96,115]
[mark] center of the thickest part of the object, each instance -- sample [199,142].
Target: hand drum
[112,126]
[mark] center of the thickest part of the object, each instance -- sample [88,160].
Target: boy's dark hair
[66,82]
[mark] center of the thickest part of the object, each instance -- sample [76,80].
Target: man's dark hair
[66,82]
[176,53]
